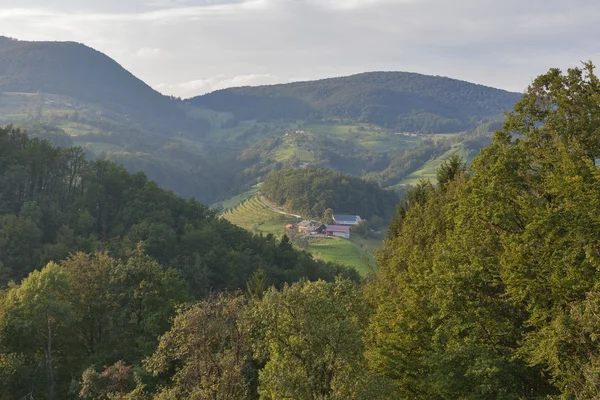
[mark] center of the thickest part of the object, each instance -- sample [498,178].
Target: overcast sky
[190,47]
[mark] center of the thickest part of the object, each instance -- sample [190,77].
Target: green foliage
[311,191]
[205,352]
[117,382]
[37,324]
[450,170]
[495,277]
[257,285]
[54,202]
[312,340]
[88,310]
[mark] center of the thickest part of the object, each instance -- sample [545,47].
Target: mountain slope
[80,72]
[399,100]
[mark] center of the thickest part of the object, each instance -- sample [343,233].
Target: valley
[390,129]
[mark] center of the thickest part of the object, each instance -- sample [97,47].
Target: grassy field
[429,170]
[364,135]
[356,252]
[250,213]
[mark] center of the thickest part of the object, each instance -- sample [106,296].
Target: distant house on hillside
[349,220]
[338,230]
[311,227]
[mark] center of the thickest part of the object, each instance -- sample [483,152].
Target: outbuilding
[338,230]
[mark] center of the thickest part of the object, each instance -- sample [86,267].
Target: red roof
[338,228]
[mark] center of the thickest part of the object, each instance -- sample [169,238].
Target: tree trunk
[49,363]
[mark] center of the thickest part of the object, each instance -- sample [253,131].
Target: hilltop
[398,100]
[82,73]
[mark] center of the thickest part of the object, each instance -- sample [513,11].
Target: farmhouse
[311,227]
[338,230]
[349,220]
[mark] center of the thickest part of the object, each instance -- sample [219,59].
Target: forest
[311,191]
[487,286]
[54,202]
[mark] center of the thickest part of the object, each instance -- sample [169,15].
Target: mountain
[79,92]
[398,100]
[82,73]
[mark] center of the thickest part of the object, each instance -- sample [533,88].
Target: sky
[190,47]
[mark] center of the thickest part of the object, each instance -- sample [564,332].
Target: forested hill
[311,191]
[75,70]
[400,100]
[54,202]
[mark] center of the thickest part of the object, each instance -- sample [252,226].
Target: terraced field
[255,216]
[237,200]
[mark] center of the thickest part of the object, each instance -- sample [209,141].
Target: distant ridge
[402,100]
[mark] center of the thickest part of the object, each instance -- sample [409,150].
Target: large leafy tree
[36,328]
[495,277]
[310,335]
[87,311]
[205,353]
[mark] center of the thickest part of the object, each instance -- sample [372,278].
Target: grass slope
[430,168]
[255,216]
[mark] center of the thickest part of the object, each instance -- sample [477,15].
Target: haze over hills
[217,145]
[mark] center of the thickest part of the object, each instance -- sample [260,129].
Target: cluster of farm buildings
[340,228]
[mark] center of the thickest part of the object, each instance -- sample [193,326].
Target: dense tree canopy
[53,202]
[131,252]
[310,191]
[495,277]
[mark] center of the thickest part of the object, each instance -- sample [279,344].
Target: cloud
[148,52]
[502,44]
[201,86]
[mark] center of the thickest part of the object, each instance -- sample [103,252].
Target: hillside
[82,73]
[257,215]
[55,202]
[216,146]
[398,100]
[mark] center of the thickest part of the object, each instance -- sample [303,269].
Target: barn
[338,230]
